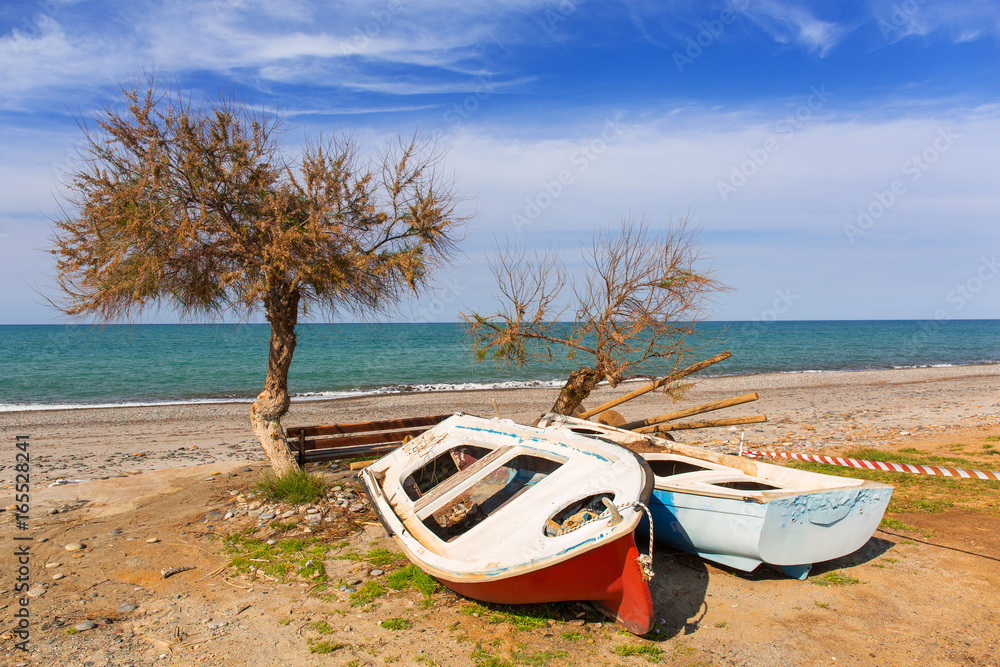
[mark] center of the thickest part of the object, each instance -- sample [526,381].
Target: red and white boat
[512,514]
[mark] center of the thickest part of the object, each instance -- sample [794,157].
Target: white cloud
[794,24]
[958,20]
[91,46]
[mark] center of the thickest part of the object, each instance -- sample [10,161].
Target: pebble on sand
[76,546]
[152,540]
[85,625]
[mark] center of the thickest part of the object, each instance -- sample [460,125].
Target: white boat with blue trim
[514,514]
[742,513]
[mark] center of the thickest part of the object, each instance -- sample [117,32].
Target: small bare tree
[633,310]
[200,207]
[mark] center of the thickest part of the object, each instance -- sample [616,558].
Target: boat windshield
[488,495]
[425,478]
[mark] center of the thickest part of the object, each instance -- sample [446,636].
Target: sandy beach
[810,410]
[162,480]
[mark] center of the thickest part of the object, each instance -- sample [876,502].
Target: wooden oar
[697,410]
[694,368]
[683,426]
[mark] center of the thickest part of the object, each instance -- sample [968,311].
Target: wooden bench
[344,441]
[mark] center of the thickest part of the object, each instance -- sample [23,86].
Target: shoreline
[815,412]
[514,385]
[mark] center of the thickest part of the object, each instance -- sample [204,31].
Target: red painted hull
[608,577]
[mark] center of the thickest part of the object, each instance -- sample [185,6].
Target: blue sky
[840,158]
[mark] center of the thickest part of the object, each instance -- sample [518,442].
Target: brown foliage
[632,312]
[200,207]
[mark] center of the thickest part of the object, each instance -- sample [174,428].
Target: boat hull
[608,577]
[791,532]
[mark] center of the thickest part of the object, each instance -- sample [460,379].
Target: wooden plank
[358,465]
[365,439]
[364,427]
[696,410]
[350,452]
[693,368]
[682,426]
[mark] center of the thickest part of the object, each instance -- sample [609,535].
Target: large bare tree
[199,206]
[631,311]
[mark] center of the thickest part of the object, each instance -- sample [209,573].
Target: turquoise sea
[77,365]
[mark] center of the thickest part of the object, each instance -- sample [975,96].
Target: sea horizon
[71,366]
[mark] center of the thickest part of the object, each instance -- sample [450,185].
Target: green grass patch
[283,527]
[822,605]
[413,577]
[322,627]
[302,557]
[295,487]
[571,636]
[932,505]
[896,524]
[482,658]
[992,438]
[659,633]
[722,625]
[521,618]
[647,651]
[683,649]
[381,557]
[539,658]
[834,579]
[324,647]
[396,624]
[371,591]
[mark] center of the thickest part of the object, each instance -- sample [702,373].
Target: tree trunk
[272,403]
[577,388]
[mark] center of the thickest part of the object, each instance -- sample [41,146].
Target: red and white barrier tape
[879,465]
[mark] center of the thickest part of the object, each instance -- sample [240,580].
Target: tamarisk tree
[199,207]
[631,311]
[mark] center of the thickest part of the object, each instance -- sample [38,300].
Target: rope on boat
[645,561]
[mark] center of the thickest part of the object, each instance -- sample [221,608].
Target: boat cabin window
[423,479]
[747,486]
[668,467]
[576,514]
[476,503]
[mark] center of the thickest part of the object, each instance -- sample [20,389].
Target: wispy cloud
[795,24]
[957,20]
[428,48]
